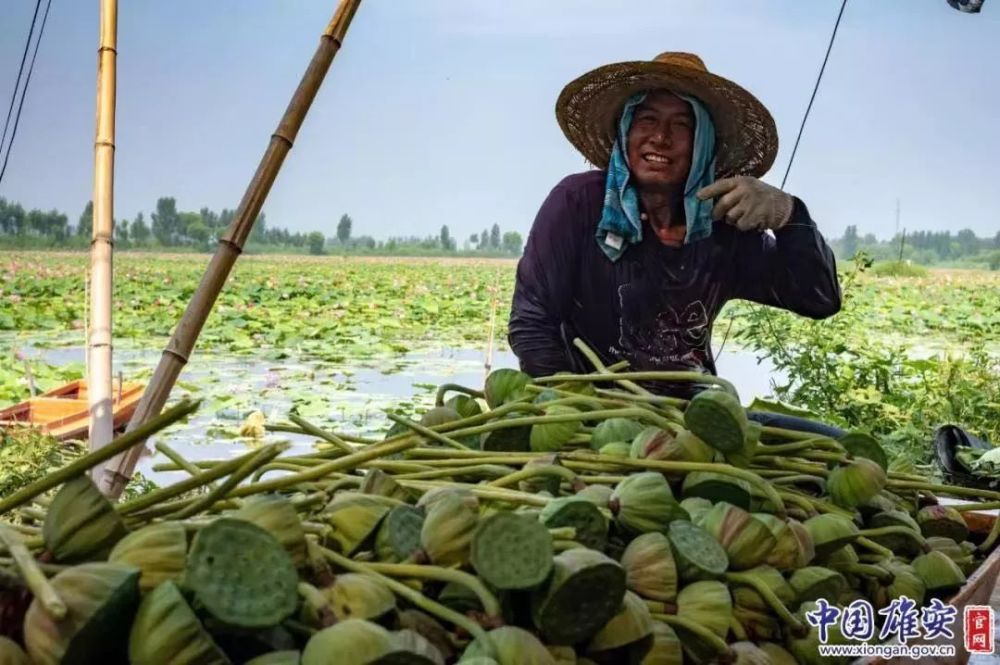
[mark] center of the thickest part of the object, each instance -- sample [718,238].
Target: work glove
[748,203]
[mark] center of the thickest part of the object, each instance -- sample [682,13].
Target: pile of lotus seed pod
[578,518]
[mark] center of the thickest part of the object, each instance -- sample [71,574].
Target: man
[637,258]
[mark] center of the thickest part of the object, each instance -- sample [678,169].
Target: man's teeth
[656,158]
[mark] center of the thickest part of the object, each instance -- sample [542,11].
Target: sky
[442,111]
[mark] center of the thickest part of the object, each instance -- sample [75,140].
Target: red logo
[979,629]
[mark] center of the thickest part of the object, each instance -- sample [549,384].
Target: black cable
[819,78]
[24,93]
[20,72]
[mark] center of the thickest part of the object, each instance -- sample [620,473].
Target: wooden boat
[64,412]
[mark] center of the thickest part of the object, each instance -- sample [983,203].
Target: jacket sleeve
[544,287]
[794,270]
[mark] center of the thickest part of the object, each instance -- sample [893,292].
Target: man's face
[660,141]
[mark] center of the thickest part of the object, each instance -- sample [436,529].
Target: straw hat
[588,109]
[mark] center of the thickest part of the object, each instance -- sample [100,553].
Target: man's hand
[748,203]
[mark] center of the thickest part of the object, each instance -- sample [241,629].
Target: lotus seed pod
[805,649]
[942,521]
[511,646]
[777,653]
[11,653]
[511,552]
[505,385]
[615,449]
[548,437]
[100,599]
[813,582]
[289,657]
[744,456]
[793,545]
[748,653]
[758,624]
[709,605]
[880,503]
[583,515]
[717,418]
[166,631]
[615,430]
[864,445]
[940,574]
[649,567]
[544,482]
[643,502]
[717,487]
[666,648]
[599,495]
[697,508]
[398,536]
[413,649]
[80,523]
[439,415]
[697,555]
[354,518]
[660,444]
[276,515]
[516,439]
[747,596]
[631,624]
[430,629]
[562,655]
[447,531]
[350,642]
[897,542]
[379,483]
[585,590]
[905,582]
[853,484]
[958,553]
[460,598]
[830,532]
[746,540]
[158,550]
[359,596]
[241,574]
[432,495]
[464,405]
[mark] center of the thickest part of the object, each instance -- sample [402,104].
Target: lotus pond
[340,340]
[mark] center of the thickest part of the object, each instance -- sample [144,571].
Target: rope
[27,81]
[788,169]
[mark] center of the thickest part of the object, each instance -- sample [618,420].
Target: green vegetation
[963,249]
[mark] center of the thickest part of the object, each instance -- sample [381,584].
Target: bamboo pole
[99,388]
[119,470]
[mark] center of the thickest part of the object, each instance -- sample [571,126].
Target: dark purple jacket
[656,305]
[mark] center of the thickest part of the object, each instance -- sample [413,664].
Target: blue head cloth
[620,225]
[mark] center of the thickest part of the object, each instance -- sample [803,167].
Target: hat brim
[589,106]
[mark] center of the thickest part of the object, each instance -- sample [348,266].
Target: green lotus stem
[883,552]
[769,597]
[49,569]
[660,607]
[186,485]
[895,475]
[818,505]
[274,466]
[674,377]
[295,429]
[737,629]
[800,501]
[523,421]
[991,538]
[482,492]
[177,458]
[659,400]
[789,465]
[591,356]
[793,447]
[313,597]
[459,470]
[142,517]
[303,631]
[33,576]
[523,474]
[25,529]
[602,480]
[563,533]
[561,545]
[419,572]
[791,434]
[345,447]
[263,456]
[969,507]
[92,459]
[704,634]
[420,429]
[33,513]
[768,491]
[897,530]
[415,597]
[793,479]
[944,489]
[867,570]
[397,466]
[445,388]
[822,456]
[344,463]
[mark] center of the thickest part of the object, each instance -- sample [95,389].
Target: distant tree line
[168,227]
[924,247]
